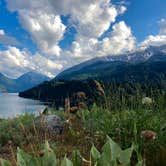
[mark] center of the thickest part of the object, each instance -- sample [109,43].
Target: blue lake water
[12,105]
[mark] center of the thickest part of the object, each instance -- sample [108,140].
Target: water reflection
[12,105]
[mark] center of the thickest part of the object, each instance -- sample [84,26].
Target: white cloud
[153,41]
[7,40]
[122,9]
[162,27]
[2,32]
[156,40]
[46,30]
[90,18]
[15,62]
[97,19]
[119,40]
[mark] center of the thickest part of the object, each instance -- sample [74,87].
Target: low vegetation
[48,157]
[127,126]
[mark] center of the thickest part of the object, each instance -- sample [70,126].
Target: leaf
[115,149]
[125,156]
[110,153]
[5,163]
[95,153]
[140,163]
[66,162]
[23,159]
[49,157]
[135,131]
[76,158]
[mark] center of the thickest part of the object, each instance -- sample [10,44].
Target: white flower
[147,100]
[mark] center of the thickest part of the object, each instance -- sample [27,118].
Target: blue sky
[50,36]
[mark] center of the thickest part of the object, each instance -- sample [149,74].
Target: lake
[12,105]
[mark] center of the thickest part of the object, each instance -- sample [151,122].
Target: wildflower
[10,142]
[80,95]
[118,130]
[147,100]
[74,109]
[81,105]
[148,135]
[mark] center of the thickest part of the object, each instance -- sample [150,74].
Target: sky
[48,36]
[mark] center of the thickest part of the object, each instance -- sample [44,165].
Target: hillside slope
[97,66]
[151,73]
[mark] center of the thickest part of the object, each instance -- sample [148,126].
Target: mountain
[98,66]
[150,71]
[6,83]
[26,81]
[30,79]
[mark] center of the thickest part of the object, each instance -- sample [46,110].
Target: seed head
[148,135]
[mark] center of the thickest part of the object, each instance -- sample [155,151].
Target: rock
[53,123]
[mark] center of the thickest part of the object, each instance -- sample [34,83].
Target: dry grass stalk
[13,158]
[99,87]
[67,105]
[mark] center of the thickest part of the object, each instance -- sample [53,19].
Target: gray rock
[53,123]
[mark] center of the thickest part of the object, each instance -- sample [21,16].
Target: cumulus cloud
[90,17]
[15,62]
[91,20]
[119,40]
[7,40]
[46,30]
[156,40]
[94,21]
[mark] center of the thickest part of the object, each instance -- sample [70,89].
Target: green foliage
[111,154]
[66,162]
[122,118]
[10,129]
[76,158]
[23,159]
[5,163]
[95,153]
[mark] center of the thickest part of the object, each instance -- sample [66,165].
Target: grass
[88,127]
